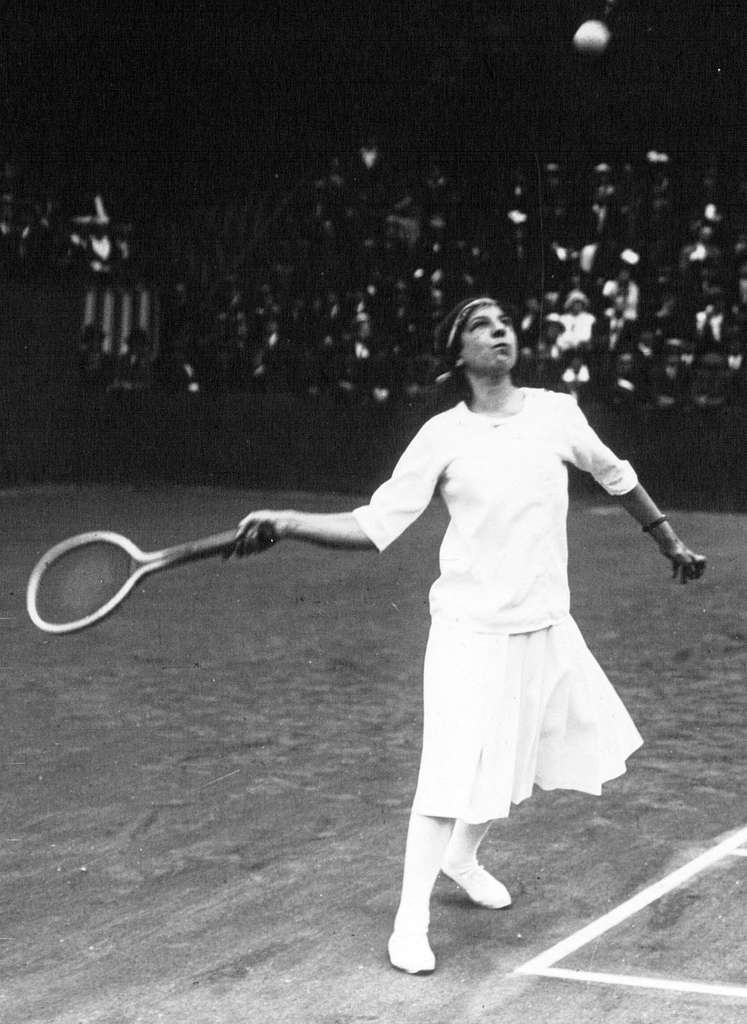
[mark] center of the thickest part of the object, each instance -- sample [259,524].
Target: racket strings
[80,581]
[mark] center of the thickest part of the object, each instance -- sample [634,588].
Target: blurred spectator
[658,225]
[630,204]
[625,388]
[688,358]
[175,366]
[9,237]
[700,250]
[739,306]
[97,241]
[541,366]
[736,367]
[551,332]
[710,386]
[95,365]
[645,356]
[578,322]
[518,258]
[575,377]
[710,322]
[530,326]
[622,290]
[134,363]
[617,331]
[670,380]
[275,364]
[668,314]
[554,202]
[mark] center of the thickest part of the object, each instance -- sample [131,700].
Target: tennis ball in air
[592,38]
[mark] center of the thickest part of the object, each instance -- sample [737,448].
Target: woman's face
[489,343]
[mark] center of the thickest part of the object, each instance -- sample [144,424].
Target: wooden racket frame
[145,563]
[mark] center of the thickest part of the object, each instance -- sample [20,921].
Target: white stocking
[427,839]
[461,853]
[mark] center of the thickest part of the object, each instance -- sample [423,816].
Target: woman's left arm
[618,478]
[641,506]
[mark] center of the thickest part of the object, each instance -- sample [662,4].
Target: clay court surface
[205,797]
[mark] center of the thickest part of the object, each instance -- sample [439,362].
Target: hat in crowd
[576,296]
[654,157]
[712,213]
[630,257]
[603,168]
[517,216]
[560,251]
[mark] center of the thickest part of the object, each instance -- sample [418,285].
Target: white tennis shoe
[411,952]
[480,886]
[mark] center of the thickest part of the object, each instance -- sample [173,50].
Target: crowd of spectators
[629,278]
[630,281]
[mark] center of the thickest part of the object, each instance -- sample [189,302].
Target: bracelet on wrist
[654,523]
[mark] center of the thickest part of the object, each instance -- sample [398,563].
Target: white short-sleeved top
[503,559]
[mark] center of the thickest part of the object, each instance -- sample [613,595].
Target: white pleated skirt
[505,713]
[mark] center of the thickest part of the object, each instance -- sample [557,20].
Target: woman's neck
[495,397]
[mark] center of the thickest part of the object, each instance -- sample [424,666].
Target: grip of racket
[266,537]
[263,539]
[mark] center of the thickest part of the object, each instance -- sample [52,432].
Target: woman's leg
[427,839]
[460,864]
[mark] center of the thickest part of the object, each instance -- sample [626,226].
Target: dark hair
[443,330]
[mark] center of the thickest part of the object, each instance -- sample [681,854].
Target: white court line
[667,985]
[739,853]
[541,965]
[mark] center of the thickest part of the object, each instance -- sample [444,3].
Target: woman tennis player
[513,698]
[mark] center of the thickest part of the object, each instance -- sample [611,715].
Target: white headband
[462,316]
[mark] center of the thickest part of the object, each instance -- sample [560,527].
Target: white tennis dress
[512,695]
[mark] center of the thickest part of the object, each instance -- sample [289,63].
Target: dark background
[161,106]
[158,102]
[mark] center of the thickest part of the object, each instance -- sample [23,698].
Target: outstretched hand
[686,565]
[254,533]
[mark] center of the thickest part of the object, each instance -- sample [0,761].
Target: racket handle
[217,544]
[263,539]
[195,550]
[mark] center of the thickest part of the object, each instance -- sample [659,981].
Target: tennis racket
[83,579]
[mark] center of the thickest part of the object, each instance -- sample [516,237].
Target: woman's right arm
[261,529]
